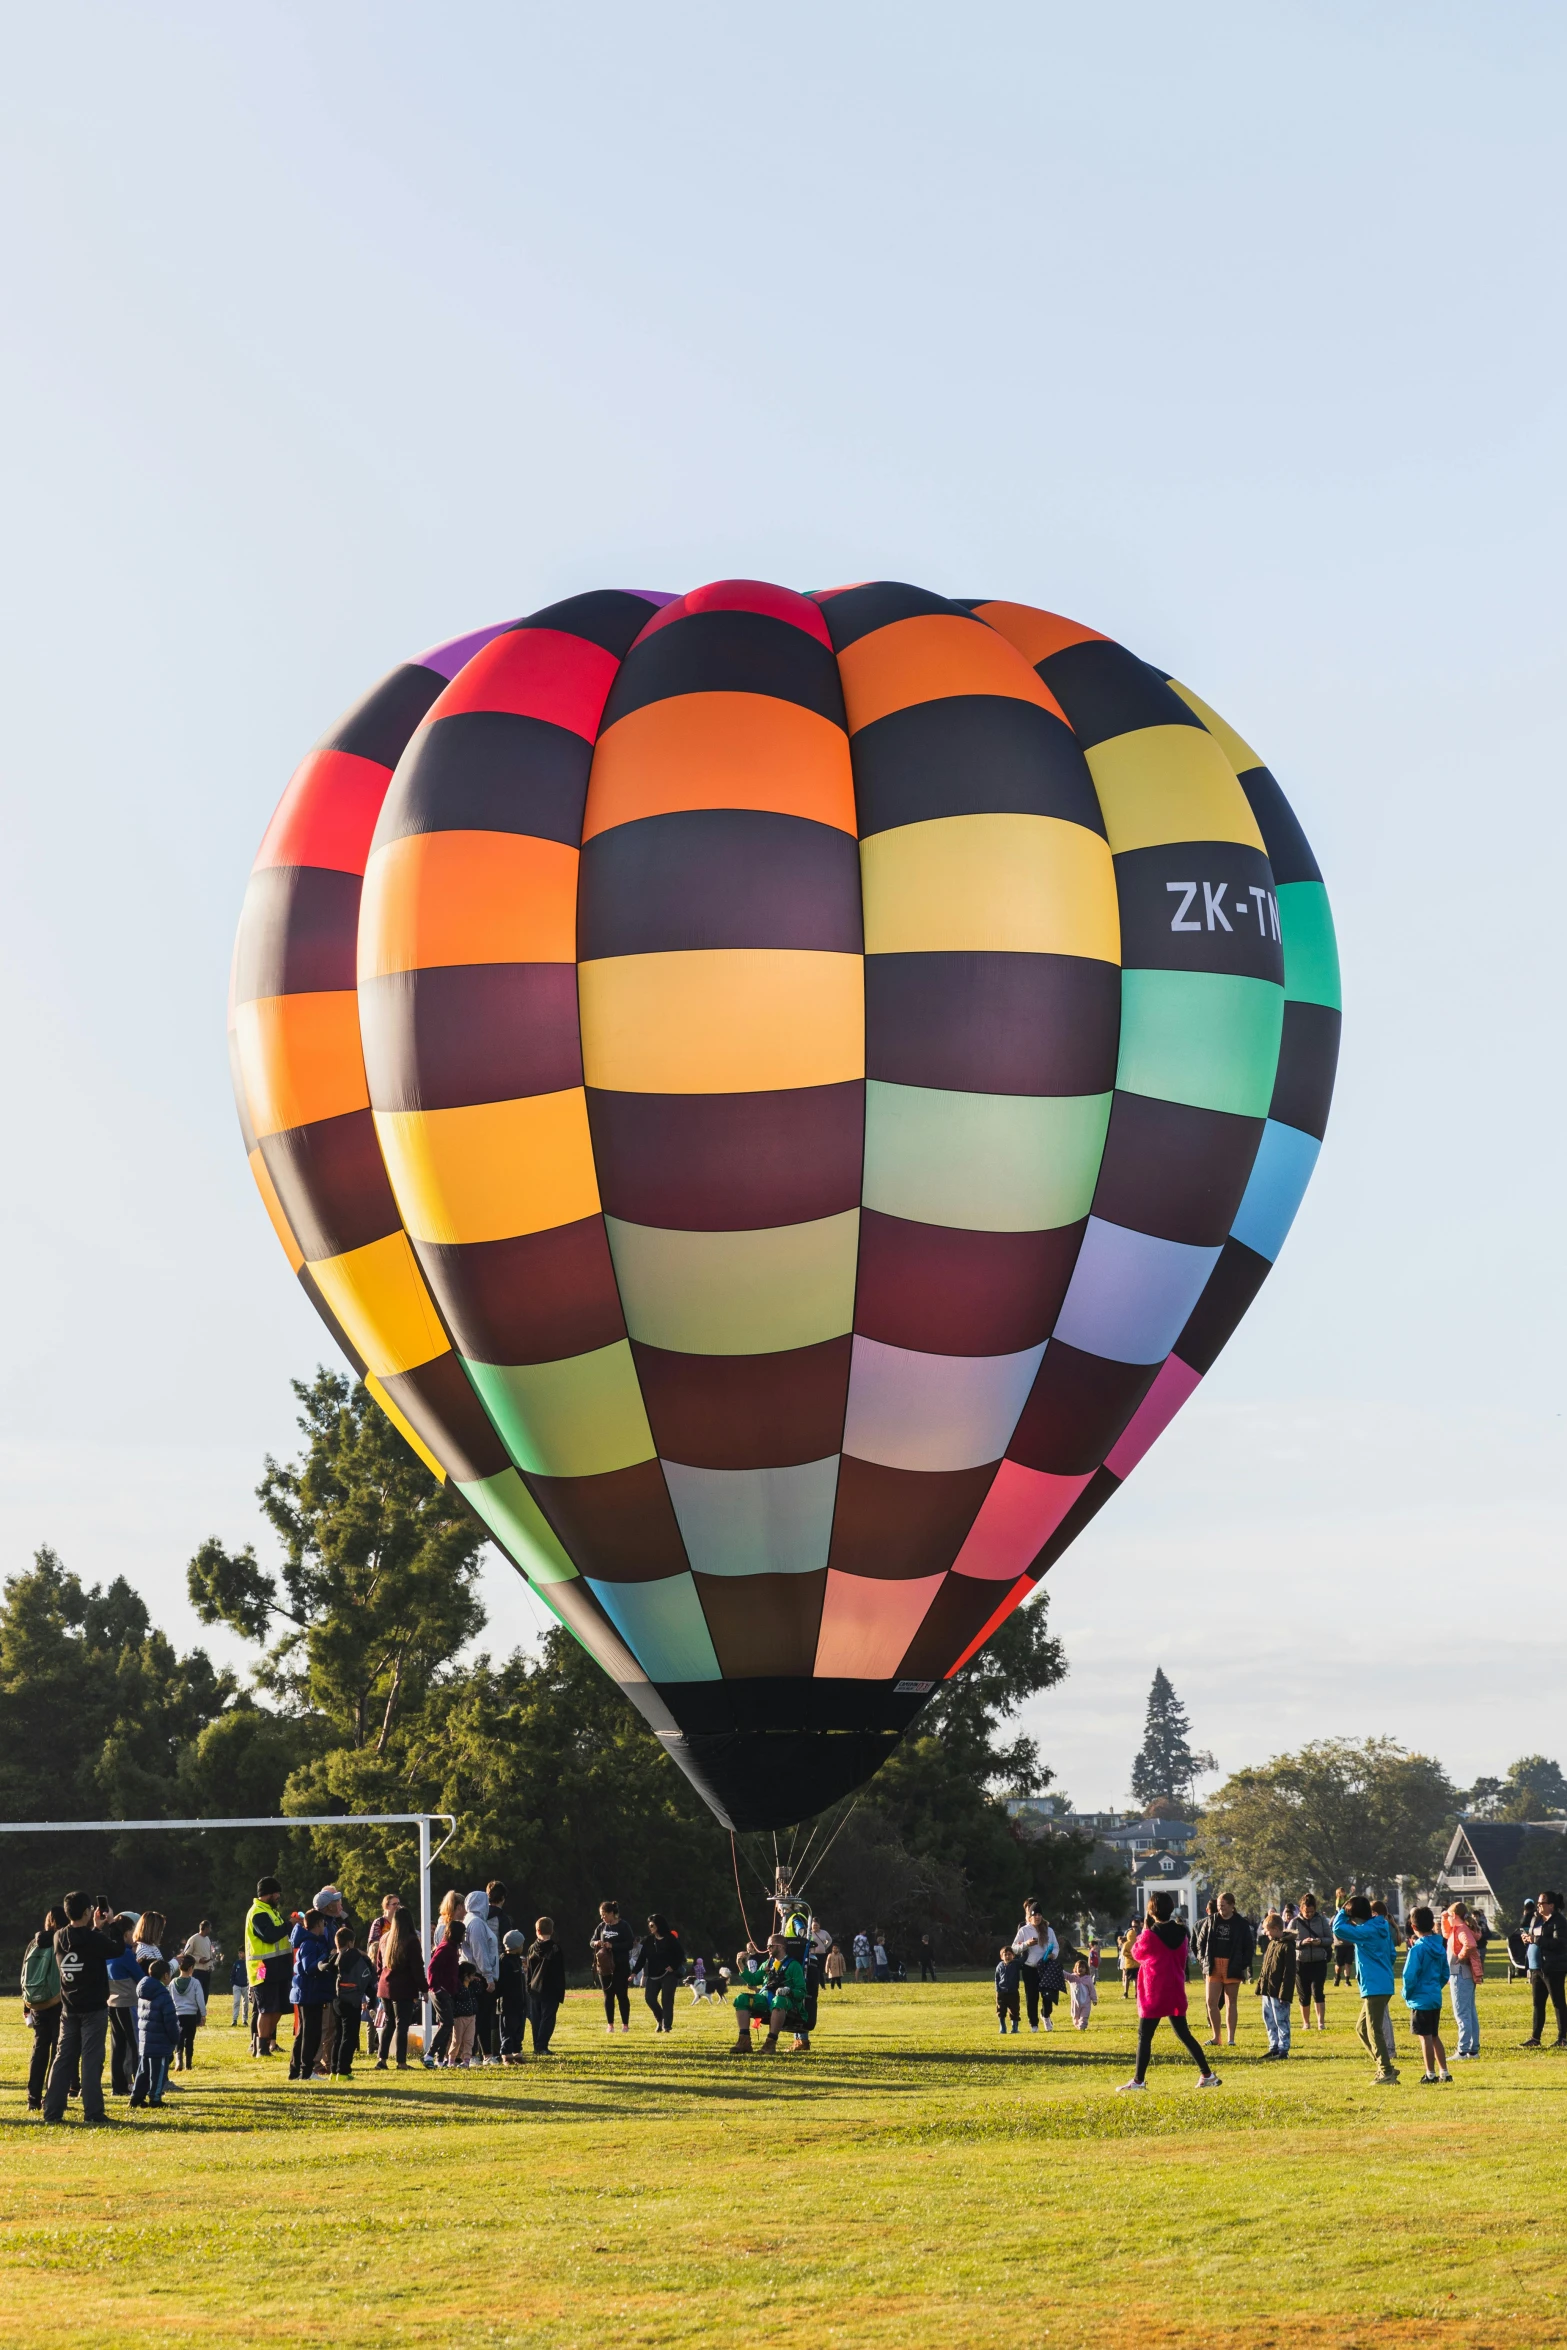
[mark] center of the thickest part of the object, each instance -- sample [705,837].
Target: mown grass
[914,2179]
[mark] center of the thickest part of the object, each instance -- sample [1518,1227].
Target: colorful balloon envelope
[782,1098]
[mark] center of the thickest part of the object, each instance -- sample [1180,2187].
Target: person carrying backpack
[41,2005]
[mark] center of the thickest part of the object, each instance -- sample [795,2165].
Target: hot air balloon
[782,1098]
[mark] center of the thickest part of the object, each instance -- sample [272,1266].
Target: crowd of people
[103,1984]
[1297,1943]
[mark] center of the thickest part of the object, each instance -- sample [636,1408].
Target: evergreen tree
[1166,1766]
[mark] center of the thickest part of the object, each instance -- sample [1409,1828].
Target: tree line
[366,1696]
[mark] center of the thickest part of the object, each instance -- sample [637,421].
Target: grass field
[913,2180]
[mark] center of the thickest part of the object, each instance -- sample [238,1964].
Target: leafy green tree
[1167,1766]
[376,1593]
[1534,1789]
[1341,1812]
[98,1718]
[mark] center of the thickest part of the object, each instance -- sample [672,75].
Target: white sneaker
[1210,2081]
[1125,2085]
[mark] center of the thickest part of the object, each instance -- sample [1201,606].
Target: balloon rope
[837,1832]
[734,1855]
[809,1841]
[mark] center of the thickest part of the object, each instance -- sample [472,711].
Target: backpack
[40,1976]
[603,1962]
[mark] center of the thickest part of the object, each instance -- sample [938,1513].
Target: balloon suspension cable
[837,1832]
[734,1855]
[806,1854]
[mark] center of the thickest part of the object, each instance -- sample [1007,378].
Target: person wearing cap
[511,1992]
[334,1913]
[269,1964]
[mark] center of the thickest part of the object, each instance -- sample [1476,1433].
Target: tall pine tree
[1166,1765]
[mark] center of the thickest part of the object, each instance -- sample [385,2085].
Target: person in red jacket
[442,1977]
[1160,1952]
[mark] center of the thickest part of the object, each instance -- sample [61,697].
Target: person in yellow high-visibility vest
[268,1964]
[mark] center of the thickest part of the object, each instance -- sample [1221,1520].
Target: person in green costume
[787,1996]
[751,2003]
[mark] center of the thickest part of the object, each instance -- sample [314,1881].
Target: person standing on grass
[1160,1951]
[1126,1962]
[1548,1979]
[190,2009]
[482,1952]
[391,1903]
[927,1959]
[511,1997]
[158,2034]
[1083,1985]
[400,1983]
[1009,1976]
[269,1964]
[1422,1983]
[465,2016]
[1276,1983]
[663,1964]
[353,1986]
[82,1952]
[1226,1946]
[1371,1939]
[125,1972]
[1035,1943]
[1464,1966]
[1313,1941]
[441,1976]
[312,1988]
[239,1994]
[610,1954]
[862,1958]
[544,1971]
[41,2005]
[834,1968]
[334,1913]
[204,1956]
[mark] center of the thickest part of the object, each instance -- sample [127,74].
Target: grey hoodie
[479,1946]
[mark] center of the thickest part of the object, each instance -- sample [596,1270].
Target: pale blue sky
[1235,332]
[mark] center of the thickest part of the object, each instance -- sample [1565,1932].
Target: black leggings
[1311,1981]
[659,1993]
[399,2015]
[1548,1984]
[617,1994]
[1147,2025]
[46,2034]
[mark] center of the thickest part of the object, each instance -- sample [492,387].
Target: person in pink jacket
[1160,1952]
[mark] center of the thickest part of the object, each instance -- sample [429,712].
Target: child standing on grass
[1371,1939]
[465,2013]
[1276,1983]
[190,2007]
[1128,1963]
[1009,1978]
[511,1993]
[1084,1990]
[1423,1982]
[1160,1951]
[835,1968]
[239,1993]
[544,1973]
[354,1986]
[157,2032]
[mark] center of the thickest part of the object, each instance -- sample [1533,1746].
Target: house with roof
[1499,1863]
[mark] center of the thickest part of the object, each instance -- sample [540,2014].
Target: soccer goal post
[422,1820]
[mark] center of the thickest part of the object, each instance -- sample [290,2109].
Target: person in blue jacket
[315,1973]
[1424,1981]
[157,2032]
[1371,1939]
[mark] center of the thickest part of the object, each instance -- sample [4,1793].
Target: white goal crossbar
[352,1819]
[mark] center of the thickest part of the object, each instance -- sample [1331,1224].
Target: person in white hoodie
[480,1952]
